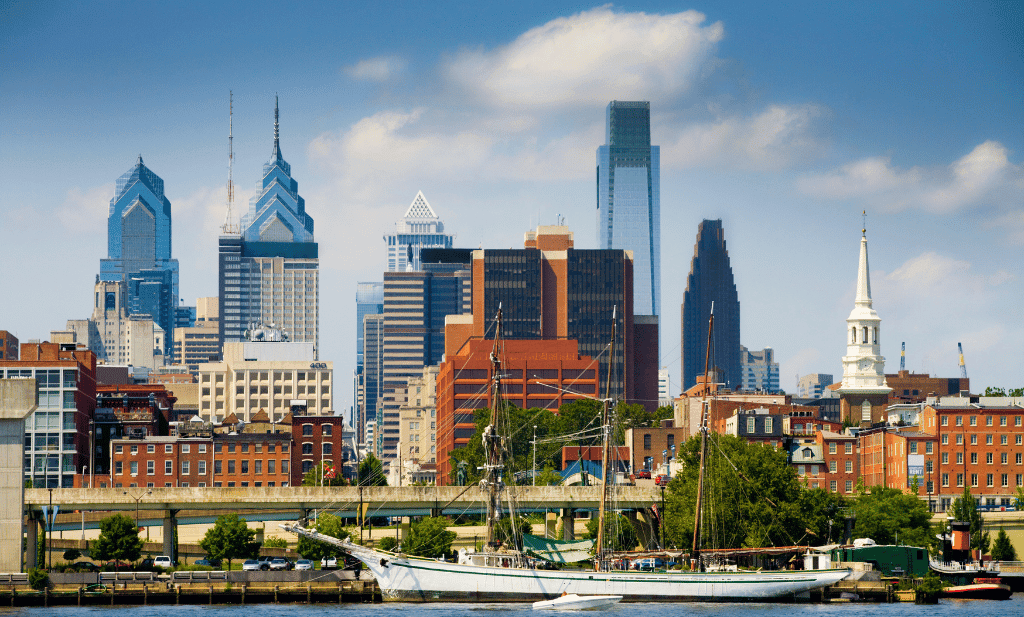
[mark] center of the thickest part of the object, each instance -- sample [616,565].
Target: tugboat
[981,589]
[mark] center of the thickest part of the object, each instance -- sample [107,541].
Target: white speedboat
[574,602]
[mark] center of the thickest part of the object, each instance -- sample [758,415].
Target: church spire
[863,273]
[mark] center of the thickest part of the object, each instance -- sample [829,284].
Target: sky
[785,119]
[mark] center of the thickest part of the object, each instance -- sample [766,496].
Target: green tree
[316,477]
[821,514]
[619,533]
[1003,549]
[371,472]
[636,416]
[72,554]
[991,391]
[549,477]
[429,537]
[230,538]
[508,535]
[328,525]
[387,543]
[1018,498]
[888,515]
[119,539]
[965,509]
[275,542]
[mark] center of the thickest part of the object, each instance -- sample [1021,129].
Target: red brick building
[317,439]
[841,454]
[8,346]
[536,373]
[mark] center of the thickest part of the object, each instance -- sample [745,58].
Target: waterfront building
[628,198]
[269,270]
[420,228]
[864,394]
[711,281]
[139,248]
[57,432]
[759,369]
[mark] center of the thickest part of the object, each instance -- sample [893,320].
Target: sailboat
[507,575]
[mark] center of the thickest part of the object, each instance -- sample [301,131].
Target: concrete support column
[404,529]
[170,526]
[18,398]
[550,525]
[568,524]
[645,526]
[31,544]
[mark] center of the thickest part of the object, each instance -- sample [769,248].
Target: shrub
[387,543]
[38,579]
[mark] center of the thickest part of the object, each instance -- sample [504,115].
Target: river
[945,608]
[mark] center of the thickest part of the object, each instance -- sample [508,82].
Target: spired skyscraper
[269,269]
[628,198]
[420,228]
[711,280]
[139,248]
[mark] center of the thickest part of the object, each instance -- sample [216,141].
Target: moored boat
[574,602]
[981,589]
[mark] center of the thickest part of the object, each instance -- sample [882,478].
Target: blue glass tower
[139,247]
[628,198]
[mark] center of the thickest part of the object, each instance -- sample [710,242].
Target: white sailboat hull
[412,579]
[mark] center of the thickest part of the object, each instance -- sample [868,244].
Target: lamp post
[49,532]
[137,500]
[92,453]
[671,458]
[664,460]
[535,455]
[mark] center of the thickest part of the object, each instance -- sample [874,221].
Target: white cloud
[985,176]
[772,139]
[378,69]
[591,58]
[85,212]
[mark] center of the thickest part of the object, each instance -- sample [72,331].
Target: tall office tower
[199,343]
[420,228]
[628,198]
[550,290]
[115,335]
[369,301]
[760,370]
[864,393]
[371,384]
[711,280]
[416,305]
[814,385]
[139,248]
[269,271]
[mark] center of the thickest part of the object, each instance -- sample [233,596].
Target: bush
[929,589]
[72,554]
[387,543]
[38,579]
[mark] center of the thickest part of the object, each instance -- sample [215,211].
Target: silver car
[250,565]
[303,564]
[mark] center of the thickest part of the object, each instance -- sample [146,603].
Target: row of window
[202,484]
[1004,458]
[973,420]
[218,467]
[1004,440]
[989,479]
[847,447]
[186,448]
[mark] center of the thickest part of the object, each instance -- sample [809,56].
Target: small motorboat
[574,602]
[981,589]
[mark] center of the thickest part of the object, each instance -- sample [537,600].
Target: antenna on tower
[229,226]
[903,356]
[963,367]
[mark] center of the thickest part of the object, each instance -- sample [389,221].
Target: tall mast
[493,444]
[229,225]
[606,429]
[699,510]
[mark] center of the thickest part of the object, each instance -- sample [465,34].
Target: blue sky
[785,119]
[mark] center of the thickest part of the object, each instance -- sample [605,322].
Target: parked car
[280,563]
[250,565]
[145,565]
[351,563]
[303,564]
[163,561]
[206,561]
[329,563]
[84,566]
[264,562]
[644,474]
[647,564]
[662,480]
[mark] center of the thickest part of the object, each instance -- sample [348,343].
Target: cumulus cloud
[983,176]
[85,211]
[590,58]
[771,139]
[378,69]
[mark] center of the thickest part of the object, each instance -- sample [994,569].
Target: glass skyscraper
[420,228]
[628,198]
[269,272]
[139,247]
[711,281]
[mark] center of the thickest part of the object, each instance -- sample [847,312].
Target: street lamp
[535,455]
[672,458]
[664,459]
[92,452]
[137,500]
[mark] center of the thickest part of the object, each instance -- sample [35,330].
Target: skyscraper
[711,280]
[628,198]
[269,271]
[139,248]
[420,228]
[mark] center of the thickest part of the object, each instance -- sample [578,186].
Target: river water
[945,608]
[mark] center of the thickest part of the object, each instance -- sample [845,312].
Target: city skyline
[786,132]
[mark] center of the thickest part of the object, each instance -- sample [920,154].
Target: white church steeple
[863,365]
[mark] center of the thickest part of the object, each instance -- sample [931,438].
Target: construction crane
[963,367]
[903,356]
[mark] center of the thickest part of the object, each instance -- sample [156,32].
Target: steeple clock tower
[863,394]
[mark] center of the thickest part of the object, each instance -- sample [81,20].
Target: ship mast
[493,445]
[698,511]
[606,429]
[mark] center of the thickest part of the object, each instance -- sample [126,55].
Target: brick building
[137,411]
[647,446]
[8,346]
[841,454]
